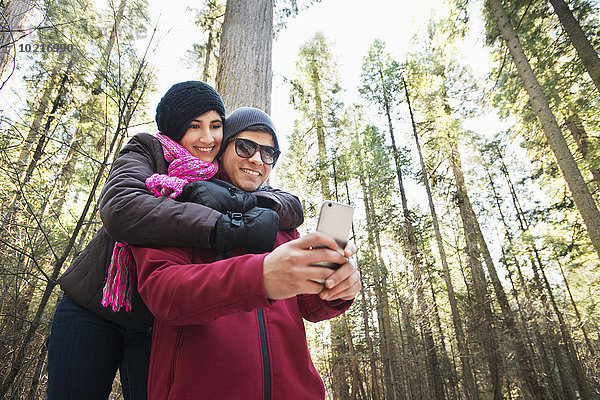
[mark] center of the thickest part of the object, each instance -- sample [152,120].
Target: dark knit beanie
[182,103]
[243,118]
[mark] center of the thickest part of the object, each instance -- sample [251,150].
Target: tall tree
[579,190]
[56,182]
[245,72]
[11,30]
[315,93]
[380,80]
[487,332]
[210,20]
[587,53]
[463,349]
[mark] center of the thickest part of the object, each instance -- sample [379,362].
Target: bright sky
[350,24]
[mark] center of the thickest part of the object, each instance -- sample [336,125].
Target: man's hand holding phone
[289,269]
[344,283]
[322,258]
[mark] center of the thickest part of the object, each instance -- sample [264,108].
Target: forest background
[478,245]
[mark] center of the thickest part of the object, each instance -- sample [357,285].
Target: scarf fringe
[121,276]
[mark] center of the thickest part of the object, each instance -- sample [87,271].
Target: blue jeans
[85,351]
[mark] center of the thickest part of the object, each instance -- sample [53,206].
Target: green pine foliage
[78,97]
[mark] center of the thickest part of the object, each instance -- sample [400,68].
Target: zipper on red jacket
[265,353]
[178,344]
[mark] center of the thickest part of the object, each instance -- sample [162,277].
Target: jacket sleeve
[288,206]
[131,213]
[314,309]
[179,292]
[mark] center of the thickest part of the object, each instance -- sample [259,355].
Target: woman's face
[204,136]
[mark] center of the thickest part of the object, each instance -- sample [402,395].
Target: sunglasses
[246,148]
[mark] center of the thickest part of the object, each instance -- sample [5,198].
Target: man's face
[247,173]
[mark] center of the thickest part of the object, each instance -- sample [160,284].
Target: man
[233,329]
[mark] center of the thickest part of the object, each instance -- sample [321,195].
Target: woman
[89,342]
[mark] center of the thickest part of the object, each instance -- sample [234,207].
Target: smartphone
[335,219]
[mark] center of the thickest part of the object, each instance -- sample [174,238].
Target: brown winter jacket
[130,213]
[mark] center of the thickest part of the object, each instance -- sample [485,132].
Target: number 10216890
[46,48]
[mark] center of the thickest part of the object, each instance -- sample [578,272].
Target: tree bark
[20,353]
[487,333]
[357,387]
[538,270]
[11,25]
[580,322]
[375,390]
[380,284]
[469,381]
[208,52]
[39,150]
[528,373]
[244,73]
[581,138]
[548,375]
[412,252]
[581,194]
[587,53]
[322,170]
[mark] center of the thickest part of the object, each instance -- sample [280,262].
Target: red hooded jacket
[217,336]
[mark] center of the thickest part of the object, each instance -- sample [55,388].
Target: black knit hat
[244,117]
[182,103]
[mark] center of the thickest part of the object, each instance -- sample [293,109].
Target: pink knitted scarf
[183,168]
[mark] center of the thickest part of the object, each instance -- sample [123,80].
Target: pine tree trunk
[38,117]
[68,166]
[43,138]
[580,322]
[450,373]
[244,73]
[19,362]
[411,368]
[208,51]
[433,370]
[487,334]
[528,373]
[339,352]
[19,356]
[412,252]
[357,387]
[469,382]
[383,315]
[566,382]
[100,72]
[365,315]
[581,138]
[537,263]
[581,194]
[323,179]
[566,393]
[587,53]
[574,361]
[548,375]
[375,390]
[11,25]
[39,367]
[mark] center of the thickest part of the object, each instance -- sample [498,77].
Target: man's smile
[250,172]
